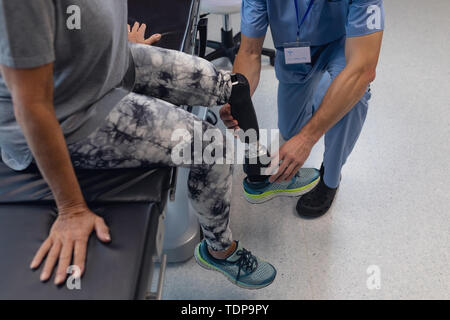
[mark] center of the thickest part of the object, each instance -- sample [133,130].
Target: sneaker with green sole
[241,268]
[304,181]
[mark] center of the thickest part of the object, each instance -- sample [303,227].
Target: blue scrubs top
[328,21]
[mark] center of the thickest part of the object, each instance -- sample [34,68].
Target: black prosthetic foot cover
[243,111]
[254,165]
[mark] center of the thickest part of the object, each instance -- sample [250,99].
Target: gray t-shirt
[88,42]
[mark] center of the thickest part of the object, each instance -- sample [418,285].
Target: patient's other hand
[68,238]
[137,34]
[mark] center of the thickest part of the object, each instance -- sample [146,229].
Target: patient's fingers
[65,257]
[50,262]
[153,39]
[40,254]
[141,31]
[135,27]
[102,230]
[79,255]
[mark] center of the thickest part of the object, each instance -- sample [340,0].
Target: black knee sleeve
[241,104]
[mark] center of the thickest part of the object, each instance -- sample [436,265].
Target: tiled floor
[392,210]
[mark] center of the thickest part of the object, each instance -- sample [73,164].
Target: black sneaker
[316,202]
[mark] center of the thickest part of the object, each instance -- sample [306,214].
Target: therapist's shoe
[241,267]
[303,182]
[317,202]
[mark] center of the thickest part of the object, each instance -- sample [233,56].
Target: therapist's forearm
[249,64]
[46,141]
[343,94]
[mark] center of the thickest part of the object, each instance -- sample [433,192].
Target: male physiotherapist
[327,53]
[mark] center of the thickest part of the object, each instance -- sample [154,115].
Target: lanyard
[300,23]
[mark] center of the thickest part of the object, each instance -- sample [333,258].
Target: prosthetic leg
[242,110]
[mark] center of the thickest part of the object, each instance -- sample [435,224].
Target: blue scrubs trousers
[297,102]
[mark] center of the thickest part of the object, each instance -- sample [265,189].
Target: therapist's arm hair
[32,96]
[348,88]
[248,60]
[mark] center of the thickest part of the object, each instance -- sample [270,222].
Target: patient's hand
[68,238]
[137,34]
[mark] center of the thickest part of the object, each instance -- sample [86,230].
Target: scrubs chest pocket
[333,18]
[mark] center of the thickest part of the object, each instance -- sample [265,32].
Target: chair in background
[229,44]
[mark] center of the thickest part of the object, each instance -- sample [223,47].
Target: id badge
[297,52]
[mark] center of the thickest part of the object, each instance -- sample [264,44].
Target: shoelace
[246,262]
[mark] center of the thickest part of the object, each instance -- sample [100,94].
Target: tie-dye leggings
[138,131]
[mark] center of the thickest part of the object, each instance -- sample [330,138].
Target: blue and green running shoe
[304,181]
[241,268]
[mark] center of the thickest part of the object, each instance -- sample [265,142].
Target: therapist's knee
[290,127]
[288,132]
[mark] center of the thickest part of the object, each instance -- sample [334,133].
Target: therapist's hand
[137,34]
[68,239]
[292,156]
[227,118]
